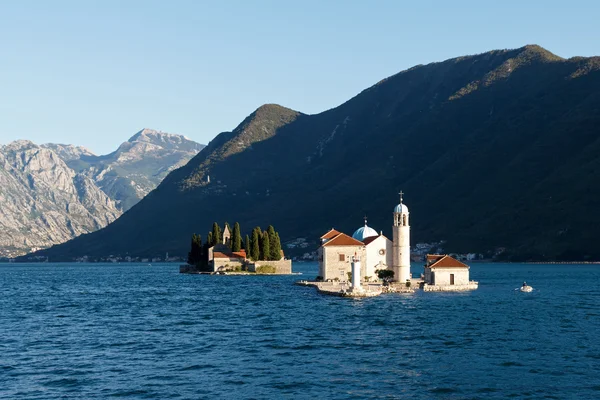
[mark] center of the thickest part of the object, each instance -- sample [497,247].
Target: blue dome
[364,232]
[401,208]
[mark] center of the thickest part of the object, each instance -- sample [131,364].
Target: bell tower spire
[401,243]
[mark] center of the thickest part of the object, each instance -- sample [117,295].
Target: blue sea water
[147,332]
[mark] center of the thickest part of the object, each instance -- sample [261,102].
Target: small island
[223,253]
[368,263]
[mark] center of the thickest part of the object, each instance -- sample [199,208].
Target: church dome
[364,232]
[401,208]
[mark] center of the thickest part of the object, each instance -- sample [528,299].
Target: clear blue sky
[93,73]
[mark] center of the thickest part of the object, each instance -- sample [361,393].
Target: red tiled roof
[343,240]
[445,261]
[331,234]
[237,254]
[371,238]
[431,258]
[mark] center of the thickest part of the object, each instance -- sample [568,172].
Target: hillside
[492,150]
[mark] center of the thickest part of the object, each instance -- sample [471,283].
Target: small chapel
[374,249]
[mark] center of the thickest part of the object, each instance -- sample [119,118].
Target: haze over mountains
[496,150]
[52,192]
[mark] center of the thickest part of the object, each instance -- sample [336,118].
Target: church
[374,249]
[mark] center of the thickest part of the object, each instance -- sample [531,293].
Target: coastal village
[369,264]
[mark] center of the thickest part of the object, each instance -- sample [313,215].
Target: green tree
[271,255]
[265,247]
[216,234]
[195,254]
[276,248]
[385,275]
[209,239]
[236,238]
[247,246]
[255,244]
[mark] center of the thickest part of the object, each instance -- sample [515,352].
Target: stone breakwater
[368,289]
[472,285]
[344,289]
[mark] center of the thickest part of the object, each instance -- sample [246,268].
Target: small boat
[526,288]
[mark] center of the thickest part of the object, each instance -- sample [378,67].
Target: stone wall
[281,266]
[332,267]
[223,264]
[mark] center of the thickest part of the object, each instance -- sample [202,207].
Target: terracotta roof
[447,262]
[331,234]
[370,239]
[343,240]
[237,254]
[431,258]
[241,253]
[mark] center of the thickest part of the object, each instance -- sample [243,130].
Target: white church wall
[374,259]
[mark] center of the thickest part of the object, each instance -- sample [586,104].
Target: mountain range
[52,192]
[495,152]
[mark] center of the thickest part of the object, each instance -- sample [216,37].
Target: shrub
[266,269]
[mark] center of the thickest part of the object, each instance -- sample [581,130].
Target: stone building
[221,258]
[443,272]
[335,255]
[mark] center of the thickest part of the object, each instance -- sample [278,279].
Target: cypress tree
[272,255]
[276,253]
[255,244]
[209,239]
[236,238]
[216,234]
[265,248]
[190,259]
[247,246]
[198,249]
[195,254]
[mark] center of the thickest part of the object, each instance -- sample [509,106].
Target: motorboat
[526,288]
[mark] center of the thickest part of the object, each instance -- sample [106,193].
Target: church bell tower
[401,245]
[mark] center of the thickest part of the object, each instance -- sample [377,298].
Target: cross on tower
[365,220]
[401,193]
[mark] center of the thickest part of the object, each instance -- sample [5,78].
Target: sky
[93,73]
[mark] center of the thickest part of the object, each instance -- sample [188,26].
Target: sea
[139,331]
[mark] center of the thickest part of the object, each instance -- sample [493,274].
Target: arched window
[404,220]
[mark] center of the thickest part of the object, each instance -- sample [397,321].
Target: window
[342,257]
[452,279]
[382,252]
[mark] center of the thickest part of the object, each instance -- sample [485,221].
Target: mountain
[44,202]
[496,150]
[54,192]
[136,167]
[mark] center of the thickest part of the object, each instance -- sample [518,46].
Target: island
[368,263]
[223,253]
